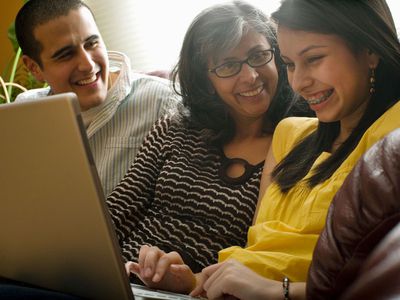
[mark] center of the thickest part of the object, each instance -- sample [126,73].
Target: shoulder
[151,83]
[385,123]
[170,133]
[289,132]
[168,125]
[33,94]
[154,90]
[296,127]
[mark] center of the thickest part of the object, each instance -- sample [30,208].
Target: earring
[372,82]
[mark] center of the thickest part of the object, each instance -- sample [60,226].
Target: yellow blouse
[288,225]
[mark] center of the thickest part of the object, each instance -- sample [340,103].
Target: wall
[151,32]
[8,11]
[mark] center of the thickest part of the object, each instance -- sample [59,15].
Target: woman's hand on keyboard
[160,270]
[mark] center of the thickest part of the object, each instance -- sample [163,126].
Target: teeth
[88,80]
[313,101]
[252,93]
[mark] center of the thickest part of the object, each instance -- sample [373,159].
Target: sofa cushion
[380,276]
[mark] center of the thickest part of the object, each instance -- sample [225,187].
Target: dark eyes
[92,44]
[64,55]
[313,59]
[290,66]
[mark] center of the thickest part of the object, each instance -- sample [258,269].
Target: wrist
[297,291]
[285,288]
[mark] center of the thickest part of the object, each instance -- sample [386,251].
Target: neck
[248,129]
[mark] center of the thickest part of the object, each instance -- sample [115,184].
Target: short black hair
[38,12]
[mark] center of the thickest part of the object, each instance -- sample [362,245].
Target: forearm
[275,291]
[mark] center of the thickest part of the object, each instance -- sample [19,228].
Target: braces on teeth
[319,100]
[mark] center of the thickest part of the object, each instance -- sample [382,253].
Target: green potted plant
[16,78]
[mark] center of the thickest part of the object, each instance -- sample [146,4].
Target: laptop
[56,231]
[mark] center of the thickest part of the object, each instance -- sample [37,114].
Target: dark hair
[38,12]
[214,31]
[362,24]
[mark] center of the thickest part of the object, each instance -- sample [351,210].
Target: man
[62,46]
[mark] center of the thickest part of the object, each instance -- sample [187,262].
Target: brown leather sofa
[362,213]
[380,276]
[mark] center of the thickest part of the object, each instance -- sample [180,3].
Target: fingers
[198,290]
[202,278]
[164,263]
[211,269]
[234,279]
[132,267]
[148,259]
[223,279]
[153,262]
[185,275]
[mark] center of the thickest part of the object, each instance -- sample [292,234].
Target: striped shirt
[172,197]
[117,127]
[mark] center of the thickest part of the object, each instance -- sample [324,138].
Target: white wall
[150,32]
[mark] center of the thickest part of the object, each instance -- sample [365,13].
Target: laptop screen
[56,232]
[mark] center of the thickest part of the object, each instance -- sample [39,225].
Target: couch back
[380,275]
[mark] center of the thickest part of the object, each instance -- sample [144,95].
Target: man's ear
[33,67]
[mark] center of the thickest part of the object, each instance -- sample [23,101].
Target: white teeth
[88,80]
[313,101]
[252,93]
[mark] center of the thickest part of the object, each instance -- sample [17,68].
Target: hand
[201,278]
[232,278]
[161,270]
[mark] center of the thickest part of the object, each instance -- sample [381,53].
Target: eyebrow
[68,48]
[250,51]
[311,47]
[301,52]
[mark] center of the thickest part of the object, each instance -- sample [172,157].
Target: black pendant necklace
[228,163]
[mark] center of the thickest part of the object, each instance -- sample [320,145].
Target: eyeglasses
[257,59]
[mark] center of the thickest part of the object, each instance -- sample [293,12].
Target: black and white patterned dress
[172,197]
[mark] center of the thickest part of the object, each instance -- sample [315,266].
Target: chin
[326,119]
[91,103]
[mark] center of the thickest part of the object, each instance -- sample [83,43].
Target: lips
[88,80]
[319,98]
[252,93]
[90,77]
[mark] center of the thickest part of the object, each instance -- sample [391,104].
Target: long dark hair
[214,31]
[362,24]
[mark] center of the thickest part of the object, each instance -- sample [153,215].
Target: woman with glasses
[347,68]
[194,185]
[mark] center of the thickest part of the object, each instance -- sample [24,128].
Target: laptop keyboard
[146,293]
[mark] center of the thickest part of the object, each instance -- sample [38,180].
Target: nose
[299,79]
[86,63]
[248,73]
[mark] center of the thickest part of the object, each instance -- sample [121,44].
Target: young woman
[194,185]
[346,66]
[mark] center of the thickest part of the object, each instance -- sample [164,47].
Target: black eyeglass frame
[241,62]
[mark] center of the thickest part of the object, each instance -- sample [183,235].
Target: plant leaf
[12,37]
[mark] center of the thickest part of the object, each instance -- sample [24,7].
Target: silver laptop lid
[55,229]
